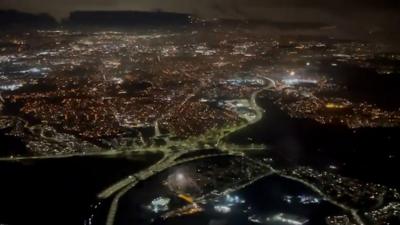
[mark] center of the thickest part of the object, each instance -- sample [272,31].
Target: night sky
[354,14]
[279,9]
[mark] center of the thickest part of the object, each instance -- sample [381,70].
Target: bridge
[169,160]
[127,184]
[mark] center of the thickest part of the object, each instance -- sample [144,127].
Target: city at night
[209,112]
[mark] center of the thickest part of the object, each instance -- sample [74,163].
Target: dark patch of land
[126,18]
[60,190]
[13,18]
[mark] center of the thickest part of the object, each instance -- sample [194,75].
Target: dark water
[11,145]
[144,192]
[60,191]
[365,84]
[370,154]
[262,198]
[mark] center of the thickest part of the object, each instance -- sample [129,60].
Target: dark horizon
[357,11]
[360,25]
[358,19]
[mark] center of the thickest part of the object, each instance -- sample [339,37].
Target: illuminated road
[169,160]
[352,211]
[253,104]
[169,157]
[119,189]
[132,180]
[253,100]
[122,187]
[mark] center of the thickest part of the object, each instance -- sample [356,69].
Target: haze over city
[227,112]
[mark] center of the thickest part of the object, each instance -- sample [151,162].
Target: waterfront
[369,154]
[162,133]
[264,199]
[255,195]
[62,190]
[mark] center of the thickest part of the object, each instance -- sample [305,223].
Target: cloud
[273,10]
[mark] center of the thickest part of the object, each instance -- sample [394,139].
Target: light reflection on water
[263,200]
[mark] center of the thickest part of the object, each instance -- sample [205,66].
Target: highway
[259,113]
[253,104]
[170,157]
[352,211]
[169,160]
[130,182]
[118,189]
